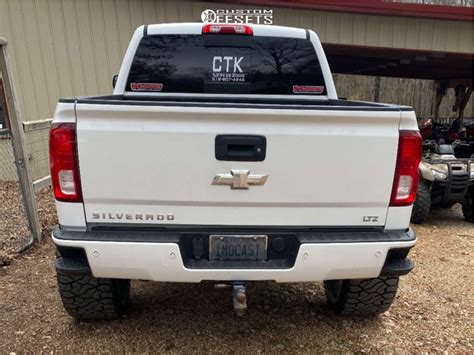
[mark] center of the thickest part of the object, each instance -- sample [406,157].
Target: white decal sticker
[255,16]
[227,69]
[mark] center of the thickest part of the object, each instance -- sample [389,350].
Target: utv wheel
[87,297]
[361,297]
[467,206]
[421,207]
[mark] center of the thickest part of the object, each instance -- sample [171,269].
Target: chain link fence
[37,140]
[24,167]
[15,234]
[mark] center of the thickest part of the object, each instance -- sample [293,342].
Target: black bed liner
[236,102]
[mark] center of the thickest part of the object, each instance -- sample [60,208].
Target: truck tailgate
[154,164]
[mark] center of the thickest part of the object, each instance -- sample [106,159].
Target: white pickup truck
[225,155]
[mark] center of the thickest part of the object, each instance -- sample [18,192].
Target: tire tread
[422,204]
[467,206]
[87,297]
[365,296]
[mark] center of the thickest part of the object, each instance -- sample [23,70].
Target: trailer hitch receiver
[239,298]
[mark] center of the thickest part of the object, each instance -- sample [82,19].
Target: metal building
[74,47]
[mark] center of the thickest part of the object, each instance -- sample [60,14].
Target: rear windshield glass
[226,64]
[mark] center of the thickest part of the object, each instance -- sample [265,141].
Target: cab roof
[196,28]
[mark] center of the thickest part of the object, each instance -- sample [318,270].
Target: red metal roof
[374,7]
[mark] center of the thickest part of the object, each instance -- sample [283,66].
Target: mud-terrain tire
[422,205]
[467,206]
[361,297]
[88,297]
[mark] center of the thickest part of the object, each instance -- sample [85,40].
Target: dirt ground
[433,310]
[13,223]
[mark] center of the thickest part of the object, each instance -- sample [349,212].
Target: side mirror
[114,80]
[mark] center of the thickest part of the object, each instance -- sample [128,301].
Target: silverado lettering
[136,216]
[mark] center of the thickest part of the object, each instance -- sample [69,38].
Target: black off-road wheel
[467,206]
[88,297]
[422,205]
[365,297]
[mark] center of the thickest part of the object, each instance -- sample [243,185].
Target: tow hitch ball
[239,296]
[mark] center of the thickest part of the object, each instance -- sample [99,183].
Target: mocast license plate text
[238,247]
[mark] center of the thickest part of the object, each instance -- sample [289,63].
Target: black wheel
[87,297]
[361,297]
[467,206]
[421,207]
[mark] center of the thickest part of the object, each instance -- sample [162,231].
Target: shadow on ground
[200,317]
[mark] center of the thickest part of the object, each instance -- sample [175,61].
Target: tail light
[405,182]
[227,29]
[64,163]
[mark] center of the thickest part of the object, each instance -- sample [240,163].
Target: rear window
[226,64]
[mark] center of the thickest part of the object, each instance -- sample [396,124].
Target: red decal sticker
[307,89]
[146,86]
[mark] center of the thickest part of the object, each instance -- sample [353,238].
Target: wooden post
[466,94]
[19,148]
[377,89]
[440,92]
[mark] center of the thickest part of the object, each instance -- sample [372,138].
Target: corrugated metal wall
[73,47]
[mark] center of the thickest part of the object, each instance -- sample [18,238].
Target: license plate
[238,247]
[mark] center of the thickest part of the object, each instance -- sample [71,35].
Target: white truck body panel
[71,215]
[160,160]
[398,217]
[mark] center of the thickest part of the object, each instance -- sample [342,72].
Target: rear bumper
[159,256]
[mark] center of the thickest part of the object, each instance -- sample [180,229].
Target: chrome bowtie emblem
[240,179]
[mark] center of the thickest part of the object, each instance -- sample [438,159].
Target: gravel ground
[13,221]
[432,312]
